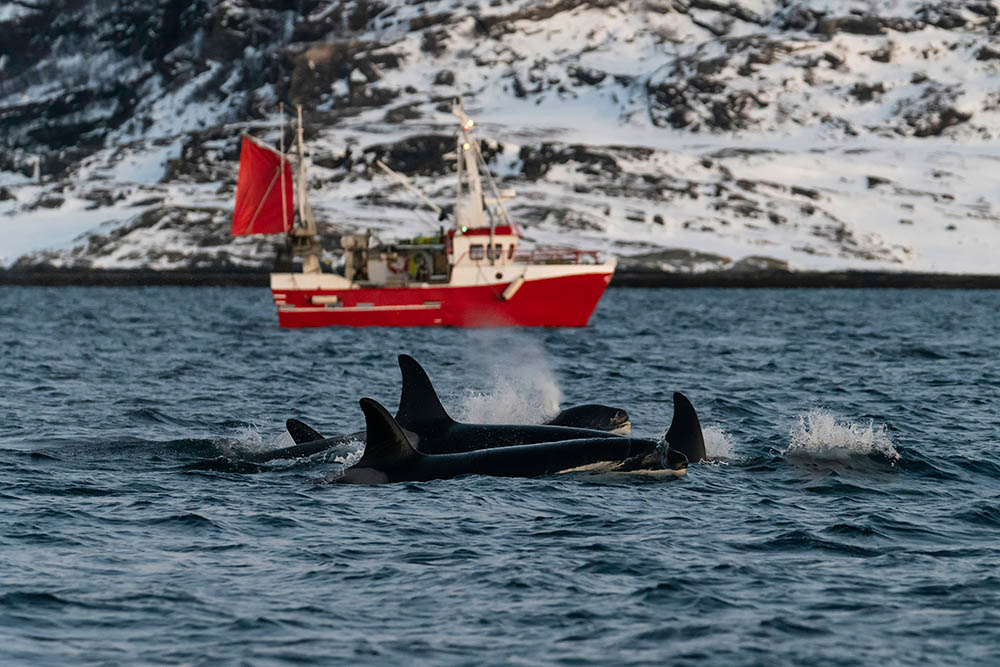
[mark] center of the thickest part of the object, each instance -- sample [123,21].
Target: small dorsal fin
[301,432]
[386,446]
[418,402]
[685,434]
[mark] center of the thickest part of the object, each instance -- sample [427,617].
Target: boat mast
[281,171]
[458,187]
[304,241]
[469,151]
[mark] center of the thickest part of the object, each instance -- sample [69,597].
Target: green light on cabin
[464,229]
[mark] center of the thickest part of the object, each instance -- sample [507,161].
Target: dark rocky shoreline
[758,279]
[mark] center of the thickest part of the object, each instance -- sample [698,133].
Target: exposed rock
[883,54]
[444,78]
[857,25]
[755,263]
[206,157]
[864,92]
[675,260]
[796,17]
[941,16]
[930,114]
[421,154]
[585,75]
[562,218]
[986,53]
[49,201]
[535,162]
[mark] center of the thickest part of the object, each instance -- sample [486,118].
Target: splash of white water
[718,445]
[515,396]
[819,435]
[521,388]
[251,439]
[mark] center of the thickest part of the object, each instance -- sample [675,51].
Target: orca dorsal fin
[684,435]
[418,402]
[386,446]
[302,433]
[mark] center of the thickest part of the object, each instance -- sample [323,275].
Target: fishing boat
[470,275]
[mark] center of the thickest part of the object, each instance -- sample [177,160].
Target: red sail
[258,191]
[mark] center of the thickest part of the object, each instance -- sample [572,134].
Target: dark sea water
[853,516]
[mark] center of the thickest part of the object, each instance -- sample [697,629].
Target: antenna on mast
[470,155]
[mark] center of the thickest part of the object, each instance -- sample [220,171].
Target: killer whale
[433,431]
[594,416]
[419,402]
[308,442]
[389,455]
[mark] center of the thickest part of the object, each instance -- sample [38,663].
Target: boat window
[497,252]
[510,251]
[476,251]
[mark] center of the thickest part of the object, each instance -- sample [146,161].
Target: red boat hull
[564,301]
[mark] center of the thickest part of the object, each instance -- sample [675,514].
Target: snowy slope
[818,135]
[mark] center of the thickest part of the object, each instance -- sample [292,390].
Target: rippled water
[854,519]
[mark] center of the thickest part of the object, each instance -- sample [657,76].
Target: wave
[186,520]
[918,352]
[224,464]
[819,435]
[106,448]
[800,540]
[981,514]
[30,600]
[150,415]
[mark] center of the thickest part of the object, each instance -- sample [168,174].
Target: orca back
[461,437]
[593,416]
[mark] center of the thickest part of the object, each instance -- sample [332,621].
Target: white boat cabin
[429,259]
[478,247]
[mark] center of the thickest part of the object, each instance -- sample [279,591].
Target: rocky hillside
[686,135]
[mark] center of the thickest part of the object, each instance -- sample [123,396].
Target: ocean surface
[852,514]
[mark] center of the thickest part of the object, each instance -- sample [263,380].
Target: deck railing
[557,255]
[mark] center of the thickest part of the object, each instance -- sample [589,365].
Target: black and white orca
[389,455]
[432,431]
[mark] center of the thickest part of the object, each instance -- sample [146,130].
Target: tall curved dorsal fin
[418,402]
[685,434]
[302,432]
[386,446]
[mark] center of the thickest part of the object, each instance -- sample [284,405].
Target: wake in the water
[251,445]
[250,439]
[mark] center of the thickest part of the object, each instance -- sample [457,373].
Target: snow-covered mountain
[686,134]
